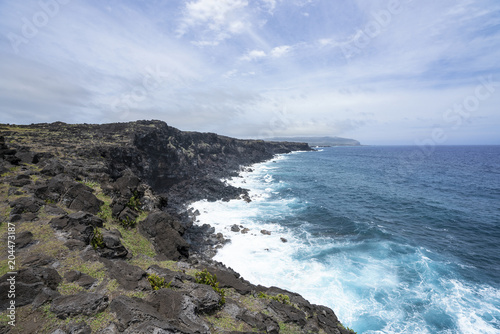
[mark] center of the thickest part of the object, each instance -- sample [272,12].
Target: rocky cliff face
[100,244]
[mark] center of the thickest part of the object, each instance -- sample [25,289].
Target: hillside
[94,218]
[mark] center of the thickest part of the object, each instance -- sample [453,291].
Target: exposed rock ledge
[102,245]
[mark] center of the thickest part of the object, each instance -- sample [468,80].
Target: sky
[401,72]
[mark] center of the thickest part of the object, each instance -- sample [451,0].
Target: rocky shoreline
[104,243]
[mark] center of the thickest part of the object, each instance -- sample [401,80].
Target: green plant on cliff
[158,282]
[134,202]
[128,223]
[283,299]
[204,277]
[97,240]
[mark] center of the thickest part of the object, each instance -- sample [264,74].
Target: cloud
[254,55]
[241,68]
[221,18]
[280,51]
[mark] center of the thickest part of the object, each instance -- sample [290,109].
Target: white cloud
[223,18]
[254,55]
[280,51]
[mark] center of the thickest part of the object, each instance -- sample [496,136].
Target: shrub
[127,222]
[158,282]
[134,202]
[97,240]
[204,277]
[283,299]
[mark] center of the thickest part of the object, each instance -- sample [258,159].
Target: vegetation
[346,328]
[128,223]
[158,282]
[204,277]
[97,240]
[283,299]
[134,202]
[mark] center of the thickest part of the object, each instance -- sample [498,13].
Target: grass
[69,288]
[136,294]
[248,301]
[283,299]
[112,285]
[224,322]
[74,262]
[289,329]
[135,242]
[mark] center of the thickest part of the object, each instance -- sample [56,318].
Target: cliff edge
[98,241]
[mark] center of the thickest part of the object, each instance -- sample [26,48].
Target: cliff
[93,216]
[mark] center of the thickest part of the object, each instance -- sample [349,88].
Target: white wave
[392,292]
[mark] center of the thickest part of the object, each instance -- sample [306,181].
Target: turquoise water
[393,239]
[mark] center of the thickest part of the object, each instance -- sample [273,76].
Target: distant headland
[319,141]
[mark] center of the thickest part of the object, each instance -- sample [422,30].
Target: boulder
[44,296]
[72,194]
[79,328]
[205,298]
[166,233]
[178,309]
[20,182]
[127,184]
[235,228]
[82,279]
[130,311]
[327,320]
[29,282]
[53,167]
[28,157]
[26,204]
[128,276]
[230,279]
[288,313]
[24,239]
[260,321]
[113,248]
[38,259]
[83,303]
[79,225]
[175,278]
[265,232]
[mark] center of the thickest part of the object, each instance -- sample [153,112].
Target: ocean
[394,239]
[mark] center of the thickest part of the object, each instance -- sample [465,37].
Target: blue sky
[382,72]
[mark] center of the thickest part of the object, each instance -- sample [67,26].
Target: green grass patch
[136,294]
[112,285]
[224,322]
[74,262]
[289,329]
[136,243]
[100,321]
[69,288]
[283,299]
[4,267]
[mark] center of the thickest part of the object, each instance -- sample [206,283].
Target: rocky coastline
[103,243]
